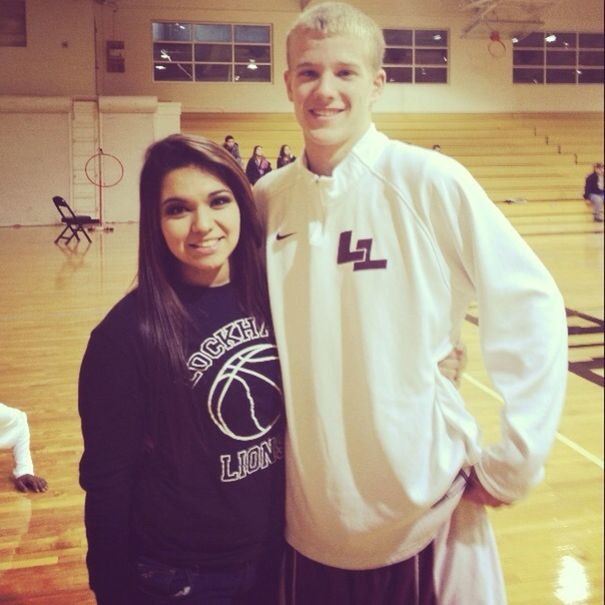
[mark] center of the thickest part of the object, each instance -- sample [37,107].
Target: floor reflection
[573,587]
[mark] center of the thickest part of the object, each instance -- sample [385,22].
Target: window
[211,52]
[417,56]
[12,23]
[558,58]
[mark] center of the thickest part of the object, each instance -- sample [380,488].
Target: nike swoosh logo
[281,236]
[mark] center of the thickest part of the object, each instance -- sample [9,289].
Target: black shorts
[408,582]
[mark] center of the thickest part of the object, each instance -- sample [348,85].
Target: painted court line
[568,442]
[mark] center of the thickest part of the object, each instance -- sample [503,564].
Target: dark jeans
[255,583]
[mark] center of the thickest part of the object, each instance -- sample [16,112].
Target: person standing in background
[594,192]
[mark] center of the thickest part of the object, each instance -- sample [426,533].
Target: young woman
[258,165]
[180,400]
[285,156]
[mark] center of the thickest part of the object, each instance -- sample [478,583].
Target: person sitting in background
[14,434]
[593,191]
[232,147]
[285,156]
[258,165]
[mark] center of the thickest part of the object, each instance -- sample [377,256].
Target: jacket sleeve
[523,333]
[112,416]
[14,434]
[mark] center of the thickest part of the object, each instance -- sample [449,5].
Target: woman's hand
[453,365]
[475,492]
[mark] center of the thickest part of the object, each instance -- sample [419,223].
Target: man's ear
[378,84]
[287,82]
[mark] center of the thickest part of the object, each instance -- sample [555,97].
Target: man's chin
[325,136]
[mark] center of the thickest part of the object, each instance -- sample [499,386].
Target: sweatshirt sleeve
[523,334]
[111,412]
[14,435]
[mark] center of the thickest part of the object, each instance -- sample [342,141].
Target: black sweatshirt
[224,506]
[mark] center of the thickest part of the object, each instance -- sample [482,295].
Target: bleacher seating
[531,156]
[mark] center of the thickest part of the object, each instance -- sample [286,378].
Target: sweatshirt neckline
[363,154]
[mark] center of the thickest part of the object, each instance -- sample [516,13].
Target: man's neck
[323,159]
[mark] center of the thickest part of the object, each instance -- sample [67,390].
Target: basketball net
[103,170]
[495,46]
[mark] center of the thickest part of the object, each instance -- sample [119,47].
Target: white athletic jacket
[14,435]
[370,274]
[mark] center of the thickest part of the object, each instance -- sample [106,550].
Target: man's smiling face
[333,86]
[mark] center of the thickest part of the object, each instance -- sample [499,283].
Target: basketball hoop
[495,46]
[115,169]
[105,175]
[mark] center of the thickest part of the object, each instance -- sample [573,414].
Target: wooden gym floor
[551,544]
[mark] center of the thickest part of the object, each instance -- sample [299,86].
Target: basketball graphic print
[244,401]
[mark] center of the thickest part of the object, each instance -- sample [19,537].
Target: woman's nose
[202,220]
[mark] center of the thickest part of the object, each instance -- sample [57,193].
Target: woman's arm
[112,415]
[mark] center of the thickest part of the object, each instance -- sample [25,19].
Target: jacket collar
[362,156]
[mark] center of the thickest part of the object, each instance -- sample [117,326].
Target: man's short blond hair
[339,18]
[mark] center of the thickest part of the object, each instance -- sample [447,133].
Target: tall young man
[374,250]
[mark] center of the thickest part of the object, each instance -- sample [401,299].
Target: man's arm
[523,332]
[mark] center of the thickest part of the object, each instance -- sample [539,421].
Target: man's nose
[326,85]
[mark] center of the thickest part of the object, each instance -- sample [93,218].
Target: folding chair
[74,223]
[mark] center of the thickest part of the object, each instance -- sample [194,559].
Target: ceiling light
[437,37]
[160,67]
[551,38]
[514,40]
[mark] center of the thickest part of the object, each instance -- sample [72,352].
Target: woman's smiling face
[200,222]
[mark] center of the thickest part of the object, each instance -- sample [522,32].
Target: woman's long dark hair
[163,321]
